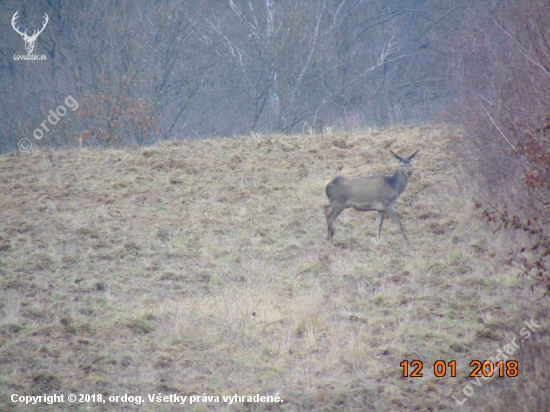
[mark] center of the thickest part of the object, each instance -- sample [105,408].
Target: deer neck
[399,181]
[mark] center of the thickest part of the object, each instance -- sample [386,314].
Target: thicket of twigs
[504,67]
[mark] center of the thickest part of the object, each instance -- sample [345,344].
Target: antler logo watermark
[29,40]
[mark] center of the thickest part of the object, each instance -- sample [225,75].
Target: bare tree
[145,70]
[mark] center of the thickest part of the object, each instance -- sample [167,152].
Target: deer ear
[414,154]
[396,156]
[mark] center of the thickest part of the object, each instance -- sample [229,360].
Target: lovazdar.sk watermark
[29,40]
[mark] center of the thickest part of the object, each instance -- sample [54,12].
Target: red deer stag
[377,193]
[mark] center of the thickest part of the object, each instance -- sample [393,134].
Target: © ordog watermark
[25,144]
[502,355]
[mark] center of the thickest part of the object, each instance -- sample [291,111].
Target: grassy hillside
[202,267]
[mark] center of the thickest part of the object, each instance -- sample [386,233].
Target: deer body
[376,193]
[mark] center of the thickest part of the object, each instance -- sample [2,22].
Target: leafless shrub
[503,72]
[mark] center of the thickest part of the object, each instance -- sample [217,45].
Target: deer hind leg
[379,221]
[332,213]
[328,211]
[393,215]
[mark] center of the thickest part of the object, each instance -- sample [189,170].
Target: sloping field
[202,268]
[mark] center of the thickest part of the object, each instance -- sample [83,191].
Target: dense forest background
[144,71]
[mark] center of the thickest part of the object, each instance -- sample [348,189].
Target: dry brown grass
[203,267]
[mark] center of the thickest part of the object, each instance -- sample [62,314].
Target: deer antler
[35,35]
[15,16]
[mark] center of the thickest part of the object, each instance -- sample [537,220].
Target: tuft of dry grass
[203,267]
